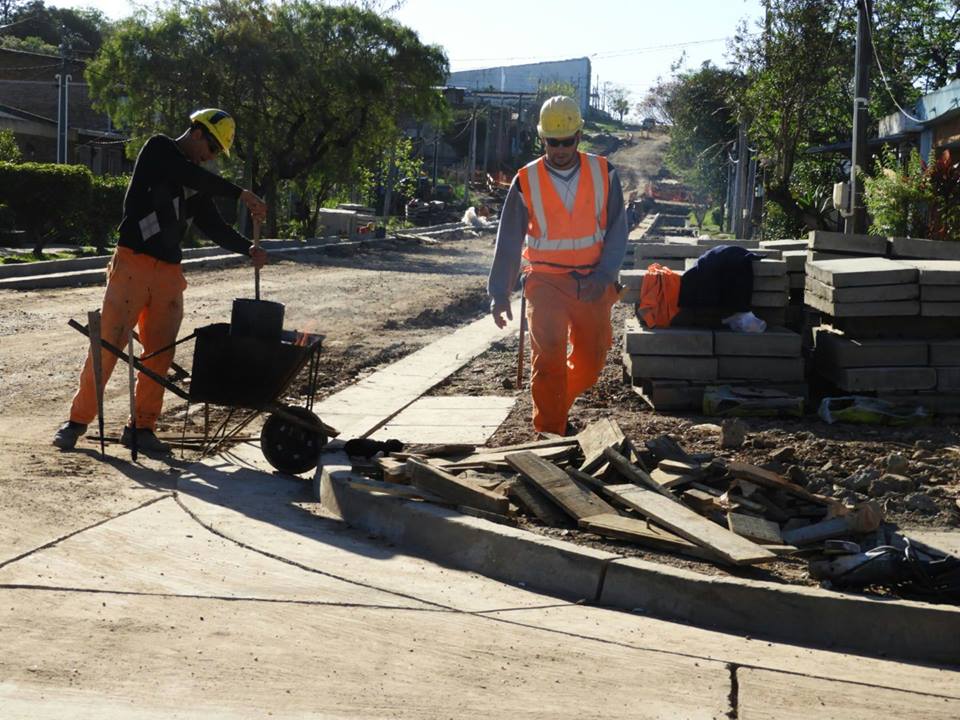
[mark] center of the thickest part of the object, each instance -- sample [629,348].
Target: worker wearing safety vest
[563,221]
[169,191]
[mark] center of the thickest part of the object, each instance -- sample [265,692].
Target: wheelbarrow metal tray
[246,372]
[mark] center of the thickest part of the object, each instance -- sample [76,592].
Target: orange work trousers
[554,317]
[143,292]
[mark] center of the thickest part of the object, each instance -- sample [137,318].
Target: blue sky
[630,44]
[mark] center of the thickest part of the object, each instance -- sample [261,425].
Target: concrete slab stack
[824,245]
[794,254]
[890,328]
[671,367]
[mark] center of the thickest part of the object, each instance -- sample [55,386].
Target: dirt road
[373,307]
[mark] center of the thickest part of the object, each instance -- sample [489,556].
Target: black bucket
[259,319]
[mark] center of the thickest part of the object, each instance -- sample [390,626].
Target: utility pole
[857,220]
[63,99]
[472,163]
[486,141]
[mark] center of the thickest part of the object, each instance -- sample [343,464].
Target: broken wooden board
[595,438]
[578,501]
[495,458]
[754,528]
[439,482]
[393,470]
[771,480]
[631,472]
[642,533]
[683,521]
[678,467]
[535,503]
[669,480]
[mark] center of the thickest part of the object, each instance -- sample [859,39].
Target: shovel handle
[256,270]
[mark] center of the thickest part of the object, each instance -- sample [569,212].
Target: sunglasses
[557,142]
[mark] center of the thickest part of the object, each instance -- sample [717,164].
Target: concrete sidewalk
[231,598]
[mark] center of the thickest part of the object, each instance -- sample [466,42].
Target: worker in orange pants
[169,192]
[144,291]
[558,320]
[563,223]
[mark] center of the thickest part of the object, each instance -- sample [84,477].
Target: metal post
[63,96]
[857,221]
[472,162]
[391,172]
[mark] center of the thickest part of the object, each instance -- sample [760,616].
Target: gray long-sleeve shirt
[513,229]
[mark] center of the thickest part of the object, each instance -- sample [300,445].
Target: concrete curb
[457,540]
[813,617]
[201,258]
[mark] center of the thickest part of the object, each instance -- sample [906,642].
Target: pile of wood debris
[659,497]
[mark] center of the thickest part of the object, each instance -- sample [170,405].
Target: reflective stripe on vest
[558,240]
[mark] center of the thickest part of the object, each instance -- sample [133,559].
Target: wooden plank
[678,467]
[533,444]
[442,483]
[772,480]
[497,458]
[393,470]
[670,480]
[633,473]
[577,500]
[683,521]
[643,533]
[595,438]
[535,503]
[754,528]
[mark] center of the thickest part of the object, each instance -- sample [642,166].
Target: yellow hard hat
[559,117]
[219,124]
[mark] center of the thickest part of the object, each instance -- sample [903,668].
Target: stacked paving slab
[794,253]
[671,367]
[889,327]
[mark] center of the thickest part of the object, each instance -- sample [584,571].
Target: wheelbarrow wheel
[289,446]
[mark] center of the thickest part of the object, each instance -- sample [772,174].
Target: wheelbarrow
[249,375]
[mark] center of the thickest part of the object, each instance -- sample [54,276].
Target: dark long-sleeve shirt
[167,192]
[513,229]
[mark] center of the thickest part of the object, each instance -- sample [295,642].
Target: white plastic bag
[745,322]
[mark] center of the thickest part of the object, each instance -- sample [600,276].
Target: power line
[883,75]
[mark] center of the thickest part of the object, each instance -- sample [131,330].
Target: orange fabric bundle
[659,296]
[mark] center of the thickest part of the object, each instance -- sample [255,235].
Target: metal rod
[96,361]
[256,270]
[133,401]
[523,329]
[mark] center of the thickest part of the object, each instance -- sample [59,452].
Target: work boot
[67,435]
[146,440]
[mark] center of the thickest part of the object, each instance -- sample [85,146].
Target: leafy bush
[898,198]
[943,177]
[105,209]
[9,150]
[43,198]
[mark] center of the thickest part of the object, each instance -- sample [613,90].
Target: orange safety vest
[558,241]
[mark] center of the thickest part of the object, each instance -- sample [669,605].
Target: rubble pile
[660,497]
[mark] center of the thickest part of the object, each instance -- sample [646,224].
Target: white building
[529,78]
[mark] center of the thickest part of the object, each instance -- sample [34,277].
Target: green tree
[9,150]
[83,29]
[311,86]
[697,105]
[619,100]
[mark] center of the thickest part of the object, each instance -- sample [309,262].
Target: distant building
[529,78]
[28,106]
[938,128]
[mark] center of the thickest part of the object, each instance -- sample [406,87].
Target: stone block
[940,309]
[671,394]
[934,402]
[666,250]
[863,293]
[856,272]
[881,378]
[632,278]
[640,340]
[769,268]
[940,293]
[948,379]
[670,367]
[936,272]
[923,328]
[835,350]
[863,309]
[853,244]
[775,342]
[776,283]
[825,255]
[796,280]
[675,264]
[945,353]
[923,249]
[768,299]
[760,368]
[796,260]
[786,245]
[772,316]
